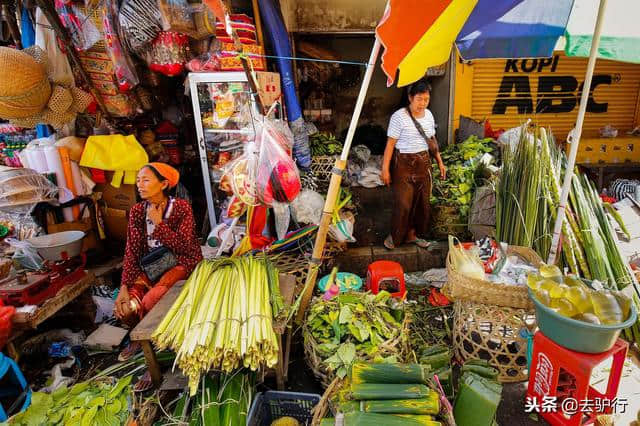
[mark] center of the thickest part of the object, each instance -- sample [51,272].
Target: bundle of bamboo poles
[222,319]
[527,199]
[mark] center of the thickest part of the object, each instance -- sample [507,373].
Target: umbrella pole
[584,99]
[334,187]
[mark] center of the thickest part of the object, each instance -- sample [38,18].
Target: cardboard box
[122,198]
[116,222]
[90,240]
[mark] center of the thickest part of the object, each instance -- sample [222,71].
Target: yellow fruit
[285,421]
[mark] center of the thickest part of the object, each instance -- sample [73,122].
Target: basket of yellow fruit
[576,314]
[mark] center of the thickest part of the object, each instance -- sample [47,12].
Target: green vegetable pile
[461,161]
[354,326]
[324,143]
[85,404]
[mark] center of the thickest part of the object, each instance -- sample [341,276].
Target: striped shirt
[402,128]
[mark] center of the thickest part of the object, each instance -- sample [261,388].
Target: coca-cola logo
[544,372]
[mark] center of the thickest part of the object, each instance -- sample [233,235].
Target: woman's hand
[122,308]
[156,211]
[443,171]
[386,176]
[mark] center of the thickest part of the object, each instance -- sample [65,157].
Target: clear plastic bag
[25,254]
[277,177]
[282,214]
[84,33]
[123,67]
[177,15]
[342,230]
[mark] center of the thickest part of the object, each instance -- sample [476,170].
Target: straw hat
[28,91]
[33,98]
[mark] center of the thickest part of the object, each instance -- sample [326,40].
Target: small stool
[12,384]
[386,275]
[558,374]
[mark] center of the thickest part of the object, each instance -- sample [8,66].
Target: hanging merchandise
[177,16]
[243,27]
[140,22]
[277,178]
[167,135]
[124,69]
[84,33]
[34,98]
[169,53]
[118,153]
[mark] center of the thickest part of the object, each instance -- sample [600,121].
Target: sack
[158,261]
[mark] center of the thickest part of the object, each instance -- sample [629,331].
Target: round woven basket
[27,93]
[493,333]
[461,287]
[325,376]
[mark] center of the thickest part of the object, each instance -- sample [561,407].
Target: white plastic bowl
[53,246]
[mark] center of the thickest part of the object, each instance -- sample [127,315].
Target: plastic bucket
[577,335]
[340,280]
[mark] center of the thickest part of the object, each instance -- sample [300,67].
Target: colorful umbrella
[620,38]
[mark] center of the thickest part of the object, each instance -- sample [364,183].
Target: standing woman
[407,167]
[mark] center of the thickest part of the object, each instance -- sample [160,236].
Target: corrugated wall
[548,91]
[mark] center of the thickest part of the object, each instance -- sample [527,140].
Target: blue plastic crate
[272,405]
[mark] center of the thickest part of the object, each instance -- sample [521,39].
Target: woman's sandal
[144,383]
[388,243]
[131,350]
[420,243]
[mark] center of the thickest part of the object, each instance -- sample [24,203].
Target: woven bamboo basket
[461,287]
[493,333]
[315,362]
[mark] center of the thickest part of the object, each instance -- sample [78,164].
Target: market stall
[186,145]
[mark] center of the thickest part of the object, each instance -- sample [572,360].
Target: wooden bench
[145,328]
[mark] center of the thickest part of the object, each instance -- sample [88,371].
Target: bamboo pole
[334,186]
[566,186]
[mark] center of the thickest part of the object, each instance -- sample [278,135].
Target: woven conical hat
[24,87]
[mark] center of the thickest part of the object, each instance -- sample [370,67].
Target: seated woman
[158,221]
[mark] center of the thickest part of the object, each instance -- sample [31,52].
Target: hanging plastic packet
[123,67]
[177,15]
[168,53]
[283,218]
[26,255]
[278,178]
[84,33]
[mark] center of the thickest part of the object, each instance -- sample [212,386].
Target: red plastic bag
[277,178]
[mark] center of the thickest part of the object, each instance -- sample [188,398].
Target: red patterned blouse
[177,233]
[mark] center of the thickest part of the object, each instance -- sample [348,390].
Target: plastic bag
[177,15]
[307,207]
[282,217]
[206,62]
[84,33]
[25,254]
[123,67]
[342,230]
[277,175]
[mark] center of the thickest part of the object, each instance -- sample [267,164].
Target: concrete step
[411,257]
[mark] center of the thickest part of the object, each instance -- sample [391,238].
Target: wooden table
[51,306]
[142,332]
[145,328]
